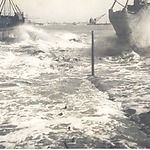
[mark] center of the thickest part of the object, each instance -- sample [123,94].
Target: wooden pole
[92,53]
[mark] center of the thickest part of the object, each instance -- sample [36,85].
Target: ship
[129,18]
[10,16]
[94,21]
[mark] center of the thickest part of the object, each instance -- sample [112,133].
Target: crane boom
[100,17]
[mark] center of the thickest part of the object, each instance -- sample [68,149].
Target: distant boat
[94,21]
[10,16]
[126,20]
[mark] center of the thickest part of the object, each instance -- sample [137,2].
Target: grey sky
[64,10]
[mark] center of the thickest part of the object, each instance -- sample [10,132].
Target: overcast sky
[64,10]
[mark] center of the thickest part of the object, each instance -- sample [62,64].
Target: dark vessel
[10,17]
[130,18]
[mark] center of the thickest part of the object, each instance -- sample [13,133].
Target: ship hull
[10,17]
[11,21]
[126,23]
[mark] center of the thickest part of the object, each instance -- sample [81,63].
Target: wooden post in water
[92,53]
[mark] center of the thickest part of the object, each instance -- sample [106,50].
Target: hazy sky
[64,10]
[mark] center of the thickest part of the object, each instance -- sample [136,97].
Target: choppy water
[49,99]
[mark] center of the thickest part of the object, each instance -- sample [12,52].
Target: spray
[141,33]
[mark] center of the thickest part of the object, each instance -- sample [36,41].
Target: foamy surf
[49,99]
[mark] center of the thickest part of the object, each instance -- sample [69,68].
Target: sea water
[48,98]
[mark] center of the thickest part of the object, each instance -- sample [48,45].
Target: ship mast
[11,6]
[126,3]
[113,4]
[120,4]
[2,5]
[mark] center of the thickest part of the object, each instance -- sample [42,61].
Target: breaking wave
[141,35]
